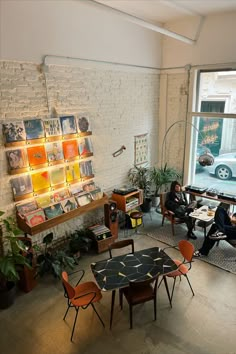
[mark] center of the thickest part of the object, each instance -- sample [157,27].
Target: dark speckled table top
[117,272]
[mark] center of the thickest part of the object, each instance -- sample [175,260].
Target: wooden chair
[138,293]
[168,214]
[80,296]
[121,244]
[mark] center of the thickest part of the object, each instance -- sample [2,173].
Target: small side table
[201,214]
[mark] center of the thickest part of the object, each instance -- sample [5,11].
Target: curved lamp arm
[205,159]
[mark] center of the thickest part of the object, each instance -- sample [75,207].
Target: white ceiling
[162,11]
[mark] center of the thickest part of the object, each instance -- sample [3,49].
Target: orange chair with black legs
[138,293]
[168,214]
[80,296]
[186,249]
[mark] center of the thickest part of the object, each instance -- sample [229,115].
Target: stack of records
[101,232]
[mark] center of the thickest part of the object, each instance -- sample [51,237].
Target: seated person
[177,203]
[223,229]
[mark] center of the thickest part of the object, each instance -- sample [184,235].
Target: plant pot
[146,206]
[155,201]
[7,296]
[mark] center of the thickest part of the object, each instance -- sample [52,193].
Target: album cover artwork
[34,129]
[61,194]
[86,169]
[83,198]
[68,125]
[75,189]
[36,155]
[44,200]
[35,217]
[83,124]
[54,151]
[17,159]
[40,180]
[25,208]
[68,204]
[88,187]
[52,127]
[70,149]
[53,210]
[72,172]
[13,132]
[57,176]
[96,194]
[85,147]
[21,185]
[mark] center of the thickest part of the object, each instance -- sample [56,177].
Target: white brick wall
[121,103]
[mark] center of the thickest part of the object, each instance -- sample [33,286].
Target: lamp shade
[206,159]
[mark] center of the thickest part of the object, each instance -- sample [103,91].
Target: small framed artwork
[57,176]
[72,172]
[68,125]
[52,128]
[68,204]
[54,152]
[17,161]
[83,125]
[35,217]
[14,133]
[86,169]
[21,186]
[53,210]
[140,149]
[85,147]
[37,156]
[25,208]
[34,129]
[70,149]
[41,181]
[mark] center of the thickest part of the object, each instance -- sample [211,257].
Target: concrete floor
[203,324]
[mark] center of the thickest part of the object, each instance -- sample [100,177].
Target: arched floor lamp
[206,159]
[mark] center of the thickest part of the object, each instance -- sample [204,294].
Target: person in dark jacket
[177,203]
[222,229]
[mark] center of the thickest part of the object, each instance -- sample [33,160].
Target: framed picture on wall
[17,159]
[54,152]
[21,185]
[37,155]
[140,149]
[70,149]
[41,181]
[68,125]
[85,147]
[83,124]
[34,129]
[57,176]
[14,132]
[52,127]
[72,172]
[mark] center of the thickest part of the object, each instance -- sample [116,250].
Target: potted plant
[11,262]
[52,261]
[80,240]
[139,176]
[161,177]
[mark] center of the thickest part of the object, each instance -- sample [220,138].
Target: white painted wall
[216,43]
[32,29]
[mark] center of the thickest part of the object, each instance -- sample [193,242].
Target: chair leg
[163,219]
[167,290]
[155,308]
[160,282]
[76,310]
[189,284]
[68,307]
[131,316]
[173,288]
[121,299]
[98,315]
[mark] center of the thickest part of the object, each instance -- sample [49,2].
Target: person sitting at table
[224,228]
[177,203]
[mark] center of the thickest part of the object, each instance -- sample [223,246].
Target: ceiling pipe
[139,21]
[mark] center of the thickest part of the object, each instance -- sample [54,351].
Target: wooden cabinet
[128,201]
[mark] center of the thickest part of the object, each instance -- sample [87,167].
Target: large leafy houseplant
[11,261]
[139,176]
[161,177]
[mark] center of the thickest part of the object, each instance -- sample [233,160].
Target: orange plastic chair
[139,292]
[186,249]
[82,295]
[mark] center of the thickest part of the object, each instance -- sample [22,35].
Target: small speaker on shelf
[111,217]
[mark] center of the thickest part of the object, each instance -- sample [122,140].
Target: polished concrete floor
[203,324]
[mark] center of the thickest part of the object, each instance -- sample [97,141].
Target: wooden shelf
[123,200]
[59,219]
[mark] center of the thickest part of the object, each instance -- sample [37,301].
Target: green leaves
[162,176]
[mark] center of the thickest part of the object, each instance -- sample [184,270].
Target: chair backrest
[163,201]
[144,283]
[69,289]
[121,244]
[187,249]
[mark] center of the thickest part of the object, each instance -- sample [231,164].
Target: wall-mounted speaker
[111,217]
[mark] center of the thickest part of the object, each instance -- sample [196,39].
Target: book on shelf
[21,185]
[57,176]
[70,149]
[17,159]
[68,125]
[86,168]
[37,155]
[54,151]
[27,207]
[14,132]
[85,147]
[68,204]
[83,124]
[34,129]
[52,127]
[72,172]
[100,232]
[40,180]
[132,202]
[35,217]
[53,210]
